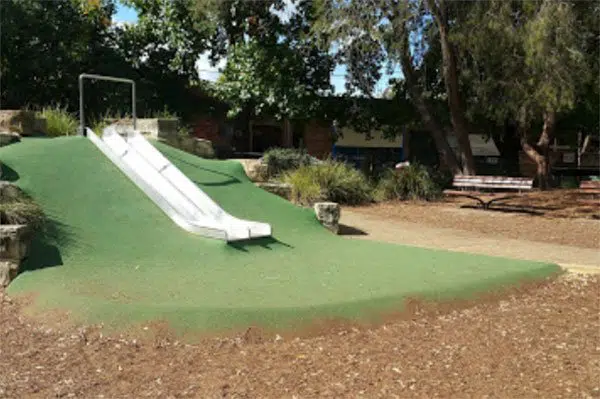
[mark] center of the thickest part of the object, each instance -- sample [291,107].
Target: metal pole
[81,118]
[111,79]
[133,105]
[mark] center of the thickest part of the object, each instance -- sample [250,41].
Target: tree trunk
[445,154]
[541,154]
[457,113]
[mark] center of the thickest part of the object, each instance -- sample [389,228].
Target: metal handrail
[82,130]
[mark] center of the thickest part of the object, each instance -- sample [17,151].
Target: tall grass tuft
[413,182]
[329,181]
[59,122]
[282,160]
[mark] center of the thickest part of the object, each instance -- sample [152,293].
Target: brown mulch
[567,217]
[544,343]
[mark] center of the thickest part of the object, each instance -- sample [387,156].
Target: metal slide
[184,202]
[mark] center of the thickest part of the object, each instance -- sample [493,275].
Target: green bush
[282,160]
[414,182]
[329,181]
[59,122]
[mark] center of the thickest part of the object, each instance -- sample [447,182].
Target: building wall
[207,128]
[317,139]
[351,138]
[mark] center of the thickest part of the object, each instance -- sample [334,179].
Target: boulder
[8,271]
[328,213]
[255,170]
[14,245]
[283,190]
[7,138]
[193,145]
[9,192]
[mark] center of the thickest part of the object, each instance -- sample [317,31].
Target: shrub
[59,122]
[413,182]
[281,160]
[328,181]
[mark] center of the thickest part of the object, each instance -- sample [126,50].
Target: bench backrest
[590,185]
[495,182]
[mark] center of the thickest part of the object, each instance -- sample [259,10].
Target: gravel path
[456,239]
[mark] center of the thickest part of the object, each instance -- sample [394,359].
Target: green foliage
[549,63]
[329,181]
[165,113]
[413,182]
[277,80]
[281,160]
[59,122]
[51,43]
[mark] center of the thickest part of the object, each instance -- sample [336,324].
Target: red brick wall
[206,128]
[318,140]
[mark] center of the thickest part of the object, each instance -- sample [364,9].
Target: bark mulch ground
[567,217]
[542,343]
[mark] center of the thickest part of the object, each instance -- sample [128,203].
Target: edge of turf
[113,313]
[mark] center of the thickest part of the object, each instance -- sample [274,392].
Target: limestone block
[7,138]
[283,190]
[8,271]
[14,244]
[9,192]
[328,213]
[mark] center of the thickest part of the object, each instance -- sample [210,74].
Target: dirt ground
[544,342]
[565,217]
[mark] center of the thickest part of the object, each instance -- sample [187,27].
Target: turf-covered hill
[110,255]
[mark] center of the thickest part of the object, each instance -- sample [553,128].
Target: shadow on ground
[269,243]
[345,230]
[507,209]
[44,250]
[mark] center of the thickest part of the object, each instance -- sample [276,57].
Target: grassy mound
[109,254]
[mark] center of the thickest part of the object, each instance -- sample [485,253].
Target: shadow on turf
[44,249]
[9,174]
[265,242]
[231,180]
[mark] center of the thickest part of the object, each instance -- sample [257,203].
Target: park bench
[590,186]
[478,187]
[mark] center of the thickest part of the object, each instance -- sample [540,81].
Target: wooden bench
[590,186]
[474,187]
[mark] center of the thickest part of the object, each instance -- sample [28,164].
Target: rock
[8,271]
[204,148]
[255,169]
[7,138]
[283,190]
[328,213]
[14,241]
[14,245]
[9,192]
[193,145]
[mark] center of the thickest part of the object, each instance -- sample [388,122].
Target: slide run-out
[173,192]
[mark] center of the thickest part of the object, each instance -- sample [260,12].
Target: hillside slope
[109,254]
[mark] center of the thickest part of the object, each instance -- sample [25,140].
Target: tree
[368,34]
[46,45]
[526,63]
[281,72]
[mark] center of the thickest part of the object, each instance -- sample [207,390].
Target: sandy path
[410,233]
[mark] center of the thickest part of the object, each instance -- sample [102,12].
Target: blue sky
[127,14]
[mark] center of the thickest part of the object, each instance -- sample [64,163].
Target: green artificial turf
[110,255]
